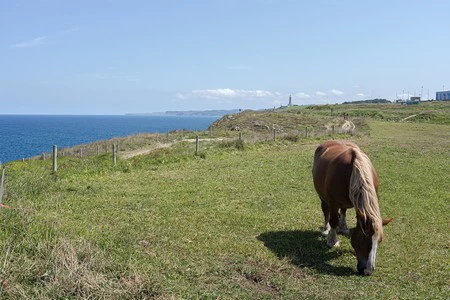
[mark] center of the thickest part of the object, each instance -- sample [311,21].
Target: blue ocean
[23,136]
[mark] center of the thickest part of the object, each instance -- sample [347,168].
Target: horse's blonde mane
[362,192]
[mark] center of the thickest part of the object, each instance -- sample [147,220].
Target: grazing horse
[344,178]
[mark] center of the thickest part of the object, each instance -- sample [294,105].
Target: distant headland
[206,113]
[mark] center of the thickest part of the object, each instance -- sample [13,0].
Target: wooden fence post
[1,185]
[274,135]
[240,136]
[55,158]
[332,130]
[81,152]
[197,144]
[43,156]
[306,131]
[114,154]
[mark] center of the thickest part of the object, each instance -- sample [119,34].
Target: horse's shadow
[305,249]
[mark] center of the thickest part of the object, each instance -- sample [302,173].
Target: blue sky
[117,56]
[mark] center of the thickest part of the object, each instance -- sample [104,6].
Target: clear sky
[123,56]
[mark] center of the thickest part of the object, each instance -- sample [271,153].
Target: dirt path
[143,151]
[147,150]
[407,118]
[208,140]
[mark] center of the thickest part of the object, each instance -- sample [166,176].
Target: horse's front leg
[332,240]
[343,227]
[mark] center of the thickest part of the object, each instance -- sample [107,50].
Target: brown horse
[344,178]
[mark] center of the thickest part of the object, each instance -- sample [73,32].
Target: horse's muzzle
[363,269]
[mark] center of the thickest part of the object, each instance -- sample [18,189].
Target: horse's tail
[362,192]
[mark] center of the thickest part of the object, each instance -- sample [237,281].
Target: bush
[237,144]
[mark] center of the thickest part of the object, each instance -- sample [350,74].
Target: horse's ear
[387,221]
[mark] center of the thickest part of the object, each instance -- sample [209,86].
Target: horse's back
[332,168]
[333,153]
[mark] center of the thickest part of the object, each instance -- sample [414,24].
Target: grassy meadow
[239,220]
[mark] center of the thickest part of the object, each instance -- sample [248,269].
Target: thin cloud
[337,92]
[44,40]
[214,94]
[230,93]
[360,95]
[321,94]
[180,96]
[39,41]
[302,95]
[258,94]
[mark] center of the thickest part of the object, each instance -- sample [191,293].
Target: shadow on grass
[305,249]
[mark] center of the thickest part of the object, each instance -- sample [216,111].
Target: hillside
[240,219]
[320,119]
[289,123]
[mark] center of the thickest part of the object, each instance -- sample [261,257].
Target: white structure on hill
[444,95]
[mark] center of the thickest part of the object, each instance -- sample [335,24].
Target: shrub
[237,144]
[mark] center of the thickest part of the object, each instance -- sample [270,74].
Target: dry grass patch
[62,270]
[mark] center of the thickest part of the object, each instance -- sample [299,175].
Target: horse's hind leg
[343,228]
[332,239]
[326,214]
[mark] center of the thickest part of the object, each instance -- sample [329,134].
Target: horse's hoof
[326,229]
[333,244]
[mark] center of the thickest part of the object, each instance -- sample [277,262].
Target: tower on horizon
[290,101]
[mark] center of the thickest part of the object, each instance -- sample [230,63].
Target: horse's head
[365,243]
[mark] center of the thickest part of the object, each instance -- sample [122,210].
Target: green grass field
[229,223]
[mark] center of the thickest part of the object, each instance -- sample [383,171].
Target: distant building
[290,101]
[444,95]
[413,100]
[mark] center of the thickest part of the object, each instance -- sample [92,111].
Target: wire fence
[116,146]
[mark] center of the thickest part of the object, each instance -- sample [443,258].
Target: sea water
[23,136]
